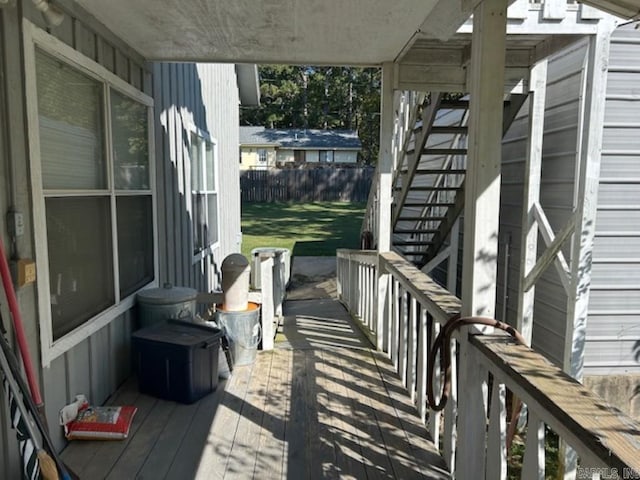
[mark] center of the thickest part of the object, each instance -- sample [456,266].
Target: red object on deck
[18,328]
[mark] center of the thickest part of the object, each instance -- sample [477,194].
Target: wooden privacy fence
[306,185]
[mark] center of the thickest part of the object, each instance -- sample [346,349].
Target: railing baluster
[423,352]
[497,434]
[413,347]
[554,9]
[435,418]
[533,461]
[360,269]
[450,440]
[371,297]
[404,327]
[395,324]
[385,314]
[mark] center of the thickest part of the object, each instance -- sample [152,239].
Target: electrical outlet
[15,223]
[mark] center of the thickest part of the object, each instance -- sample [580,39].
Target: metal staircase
[428,185]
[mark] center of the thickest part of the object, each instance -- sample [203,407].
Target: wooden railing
[274,277]
[472,434]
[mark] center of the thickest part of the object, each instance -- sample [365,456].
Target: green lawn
[306,229]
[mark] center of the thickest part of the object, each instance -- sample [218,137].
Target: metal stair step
[431,189]
[454,104]
[413,254]
[453,129]
[414,231]
[433,171]
[411,244]
[429,204]
[421,219]
[444,151]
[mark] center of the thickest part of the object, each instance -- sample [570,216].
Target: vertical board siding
[96,366]
[612,345]
[203,96]
[559,154]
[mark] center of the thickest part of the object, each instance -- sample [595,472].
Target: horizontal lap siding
[559,153]
[613,328]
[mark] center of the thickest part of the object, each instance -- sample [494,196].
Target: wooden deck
[321,405]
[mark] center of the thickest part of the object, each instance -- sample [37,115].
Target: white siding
[560,142]
[613,327]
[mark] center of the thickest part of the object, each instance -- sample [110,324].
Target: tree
[320,98]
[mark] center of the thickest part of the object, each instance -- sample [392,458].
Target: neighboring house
[126,176]
[264,148]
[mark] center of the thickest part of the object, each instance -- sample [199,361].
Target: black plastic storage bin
[177,360]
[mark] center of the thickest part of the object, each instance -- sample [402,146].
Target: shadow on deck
[321,405]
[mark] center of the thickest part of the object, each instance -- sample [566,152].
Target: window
[326,156]
[262,155]
[92,185]
[204,194]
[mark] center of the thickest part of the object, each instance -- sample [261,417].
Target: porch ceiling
[330,32]
[362,32]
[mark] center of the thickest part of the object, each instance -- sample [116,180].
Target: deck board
[322,404]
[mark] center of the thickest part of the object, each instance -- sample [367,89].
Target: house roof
[300,138]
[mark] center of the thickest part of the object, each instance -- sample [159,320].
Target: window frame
[34,37]
[204,138]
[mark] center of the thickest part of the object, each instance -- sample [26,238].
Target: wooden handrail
[438,300]
[599,433]
[602,436]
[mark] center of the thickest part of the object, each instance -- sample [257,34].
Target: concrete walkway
[312,278]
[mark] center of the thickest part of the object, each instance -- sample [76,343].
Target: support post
[385,179]
[385,158]
[533,168]
[482,200]
[482,192]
